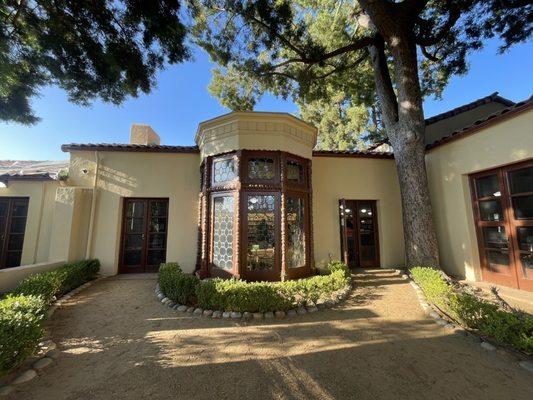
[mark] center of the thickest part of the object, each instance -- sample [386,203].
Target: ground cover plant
[240,296]
[23,311]
[509,327]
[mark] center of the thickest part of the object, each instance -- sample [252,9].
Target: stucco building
[253,199]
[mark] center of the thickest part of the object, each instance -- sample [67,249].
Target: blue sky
[181,101]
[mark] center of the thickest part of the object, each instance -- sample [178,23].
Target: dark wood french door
[144,235]
[502,200]
[359,233]
[13,213]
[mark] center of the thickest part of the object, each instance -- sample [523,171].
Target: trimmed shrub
[239,295]
[21,329]
[513,328]
[176,285]
[55,283]
[23,312]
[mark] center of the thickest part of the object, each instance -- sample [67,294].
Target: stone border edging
[46,351]
[429,310]
[335,299]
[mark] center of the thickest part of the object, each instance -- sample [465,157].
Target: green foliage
[239,295]
[22,312]
[21,328]
[52,284]
[176,285]
[90,48]
[316,52]
[513,328]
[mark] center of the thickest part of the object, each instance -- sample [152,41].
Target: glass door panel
[144,234]
[359,236]
[367,234]
[492,225]
[520,187]
[157,234]
[134,235]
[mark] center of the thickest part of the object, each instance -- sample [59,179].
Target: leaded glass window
[295,232]
[261,168]
[223,219]
[261,241]
[224,170]
[295,172]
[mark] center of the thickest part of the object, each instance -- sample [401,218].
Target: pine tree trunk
[403,118]
[421,247]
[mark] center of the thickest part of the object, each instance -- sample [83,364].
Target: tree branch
[384,88]
[428,55]
[453,15]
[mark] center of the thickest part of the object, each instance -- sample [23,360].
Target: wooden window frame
[245,157]
[516,278]
[7,229]
[344,237]
[144,267]
[275,274]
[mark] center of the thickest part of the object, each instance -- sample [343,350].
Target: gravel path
[118,342]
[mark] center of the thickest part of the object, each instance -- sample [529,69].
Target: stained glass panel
[261,168]
[295,172]
[261,232]
[224,170]
[223,215]
[295,232]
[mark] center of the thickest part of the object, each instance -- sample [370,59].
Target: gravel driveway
[118,342]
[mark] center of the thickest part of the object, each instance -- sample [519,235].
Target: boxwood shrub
[21,328]
[239,295]
[512,328]
[176,285]
[55,283]
[23,311]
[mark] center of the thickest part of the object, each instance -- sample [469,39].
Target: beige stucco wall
[39,219]
[356,178]
[138,174]
[448,168]
[256,131]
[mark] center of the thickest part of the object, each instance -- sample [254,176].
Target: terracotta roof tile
[352,153]
[481,123]
[146,148]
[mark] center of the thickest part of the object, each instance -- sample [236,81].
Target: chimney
[143,134]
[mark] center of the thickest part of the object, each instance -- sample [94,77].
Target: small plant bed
[233,298]
[511,327]
[24,311]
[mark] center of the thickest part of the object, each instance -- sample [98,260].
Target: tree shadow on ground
[118,342]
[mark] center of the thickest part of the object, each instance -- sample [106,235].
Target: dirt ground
[118,342]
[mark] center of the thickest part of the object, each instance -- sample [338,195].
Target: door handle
[143,236]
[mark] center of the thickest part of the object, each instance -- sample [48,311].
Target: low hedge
[23,311]
[21,328]
[238,295]
[513,328]
[53,284]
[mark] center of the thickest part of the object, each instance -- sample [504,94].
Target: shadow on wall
[116,181]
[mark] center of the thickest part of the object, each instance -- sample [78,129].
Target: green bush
[239,295]
[22,312]
[513,328]
[55,283]
[21,329]
[176,285]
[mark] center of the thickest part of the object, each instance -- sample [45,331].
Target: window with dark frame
[259,190]
[13,217]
